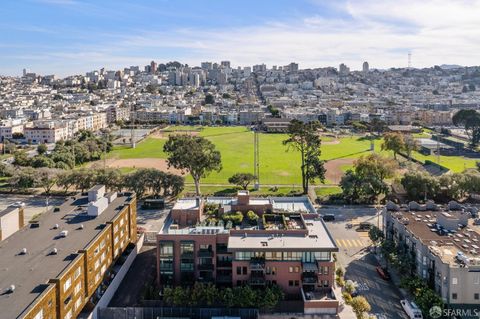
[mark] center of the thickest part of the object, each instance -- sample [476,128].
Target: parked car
[383,272]
[412,309]
[328,217]
[364,226]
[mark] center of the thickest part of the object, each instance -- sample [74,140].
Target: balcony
[205,253]
[187,255]
[309,280]
[257,281]
[257,264]
[224,264]
[224,278]
[205,267]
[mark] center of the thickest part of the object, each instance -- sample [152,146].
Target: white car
[411,309]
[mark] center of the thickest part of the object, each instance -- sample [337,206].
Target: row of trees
[142,181]
[454,186]
[209,295]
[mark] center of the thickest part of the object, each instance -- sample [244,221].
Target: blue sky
[74,36]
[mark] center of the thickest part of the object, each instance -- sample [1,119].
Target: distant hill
[450,66]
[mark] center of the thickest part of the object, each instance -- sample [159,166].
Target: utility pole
[256,155]
[105,150]
[132,132]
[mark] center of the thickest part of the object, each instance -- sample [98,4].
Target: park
[279,165]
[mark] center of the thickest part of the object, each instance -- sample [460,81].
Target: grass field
[278,164]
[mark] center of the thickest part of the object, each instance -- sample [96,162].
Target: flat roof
[8,210]
[30,272]
[186,203]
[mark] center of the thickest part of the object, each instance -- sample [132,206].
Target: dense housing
[61,261]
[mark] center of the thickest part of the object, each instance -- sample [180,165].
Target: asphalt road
[359,263]
[33,204]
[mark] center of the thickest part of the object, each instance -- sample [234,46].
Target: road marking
[363,234]
[358,242]
[348,242]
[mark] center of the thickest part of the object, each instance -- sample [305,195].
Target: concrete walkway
[345,311]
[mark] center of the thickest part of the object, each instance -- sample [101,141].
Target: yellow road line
[339,244]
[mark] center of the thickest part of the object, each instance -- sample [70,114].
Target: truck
[411,309]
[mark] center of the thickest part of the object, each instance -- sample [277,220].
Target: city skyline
[86,35]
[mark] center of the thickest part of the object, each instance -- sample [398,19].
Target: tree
[393,142]
[23,178]
[419,185]
[42,161]
[20,158]
[360,306]
[470,120]
[410,145]
[66,180]
[366,182]
[209,99]
[42,149]
[47,178]
[304,138]
[194,154]
[6,170]
[375,234]
[110,177]
[242,179]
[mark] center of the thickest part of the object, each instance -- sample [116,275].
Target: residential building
[445,244]
[11,220]
[288,245]
[63,260]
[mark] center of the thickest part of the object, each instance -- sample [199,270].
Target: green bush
[235,218]
[252,218]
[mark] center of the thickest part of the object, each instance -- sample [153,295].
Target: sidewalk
[345,311]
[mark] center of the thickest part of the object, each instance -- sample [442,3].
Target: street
[359,263]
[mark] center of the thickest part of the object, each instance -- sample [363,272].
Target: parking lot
[359,262]
[34,204]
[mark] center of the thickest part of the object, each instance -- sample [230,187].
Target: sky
[66,37]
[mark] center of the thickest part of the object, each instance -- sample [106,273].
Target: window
[78,303]
[290,269]
[476,296]
[325,270]
[325,283]
[77,273]
[39,315]
[239,270]
[297,269]
[322,255]
[68,315]
[454,281]
[476,279]
[297,283]
[271,270]
[244,270]
[77,288]
[454,296]
[67,284]
[290,283]
[166,249]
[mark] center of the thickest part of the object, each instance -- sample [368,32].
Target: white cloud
[381,32]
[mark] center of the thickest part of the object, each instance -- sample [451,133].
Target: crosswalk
[352,243]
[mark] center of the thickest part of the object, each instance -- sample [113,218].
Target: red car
[383,273]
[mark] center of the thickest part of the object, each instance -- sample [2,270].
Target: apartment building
[10,127]
[47,132]
[63,260]
[446,244]
[115,113]
[288,245]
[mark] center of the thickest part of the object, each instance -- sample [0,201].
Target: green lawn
[456,164]
[278,164]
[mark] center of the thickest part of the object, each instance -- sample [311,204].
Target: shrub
[235,218]
[347,297]
[252,217]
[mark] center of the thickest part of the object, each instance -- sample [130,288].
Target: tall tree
[470,120]
[393,142]
[304,138]
[194,154]
[47,178]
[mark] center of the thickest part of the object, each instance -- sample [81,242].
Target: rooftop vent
[64,233]
[54,251]
[81,226]
[23,251]
[11,289]
[55,226]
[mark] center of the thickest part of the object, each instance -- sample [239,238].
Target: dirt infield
[158,163]
[164,135]
[334,169]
